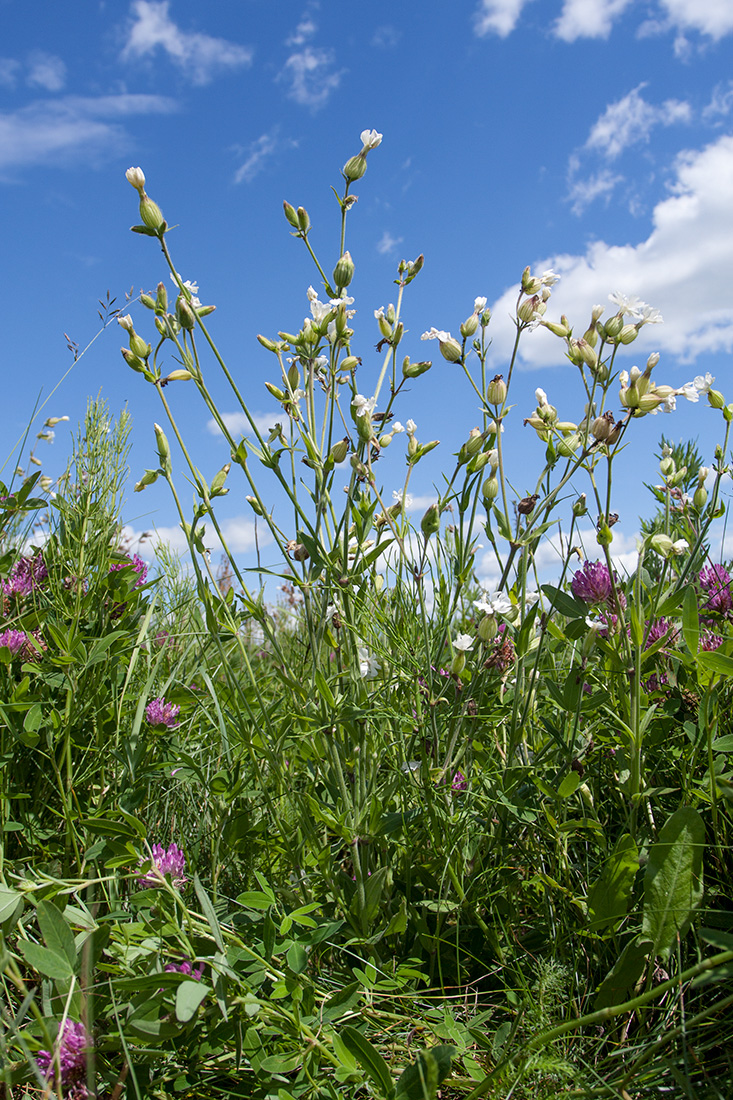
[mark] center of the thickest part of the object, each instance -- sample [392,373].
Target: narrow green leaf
[691,621]
[423,1078]
[208,911]
[370,1060]
[624,974]
[673,879]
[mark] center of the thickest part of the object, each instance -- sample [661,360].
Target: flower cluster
[27,645]
[160,713]
[165,861]
[715,588]
[592,584]
[137,564]
[186,968]
[71,1063]
[27,575]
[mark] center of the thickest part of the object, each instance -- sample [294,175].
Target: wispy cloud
[387,243]
[587,189]
[631,120]
[305,30]
[200,56]
[238,424]
[596,18]
[386,37]
[311,76]
[48,130]
[712,17]
[256,156]
[9,69]
[46,71]
[721,103]
[239,532]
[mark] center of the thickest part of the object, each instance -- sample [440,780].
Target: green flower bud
[700,497]
[450,349]
[291,215]
[496,390]
[304,222]
[139,347]
[255,504]
[268,344]
[604,535]
[349,363]
[716,399]
[151,214]
[613,326]
[339,451]
[161,298]
[355,168]
[133,361]
[414,370]
[343,272]
[276,393]
[179,376]
[185,315]
[628,334]
[430,523]
[469,326]
[488,628]
[147,301]
[579,508]
[164,451]
[490,489]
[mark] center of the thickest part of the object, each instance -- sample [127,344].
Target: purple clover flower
[73,1043]
[592,584]
[14,640]
[165,861]
[659,629]
[26,575]
[709,641]
[460,783]
[185,967]
[715,584]
[160,713]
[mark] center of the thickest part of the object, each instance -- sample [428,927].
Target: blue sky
[594,137]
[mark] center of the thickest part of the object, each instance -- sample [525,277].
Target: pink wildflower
[73,1042]
[165,861]
[160,713]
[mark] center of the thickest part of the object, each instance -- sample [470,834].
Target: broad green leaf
[46,962]
[297,958]
[11,906]
[370,1060]
[624,974]
[716,662]
[56,933]
[610,897]
[565,604]
[342,1001]
[189,996]
[373,888]
[724,744]
[673,879]
[569,785]
[423,1078]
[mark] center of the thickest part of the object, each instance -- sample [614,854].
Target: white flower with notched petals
[680,547]
[549,278]
[531,598]
[368,664]
[364,406]
[370,139]
[126,322]
[320,362]
[703,384]
[410,427]
[690,391]
[462,642]
[479,305]
[397,427]
[494,603]
[626,304]
[403,498]
[648,315]
[436,334]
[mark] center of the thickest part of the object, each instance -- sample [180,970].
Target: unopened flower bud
[304,222]
[150,213]
[469,326]
[133,361]
[496,390]
[587,353]
[604,535]
[530,283]
[291,215]
[613,326]
[354,168]
[699,497]
[479,461]
[164,451]
[490,489]
[184,314]
[580,508]
[567,446]
[667,466]
[716,399]
[603,427]
[430,523]
[179,376]
[270,345]
[414,370]
[339,451]
[343,272]
[627,334]
[488,628]
[276,393]
[147,301]
[450,349]
[527,309]
[558,329]
[648,402]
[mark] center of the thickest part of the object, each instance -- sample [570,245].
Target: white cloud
[305,30]
[8,71]
[677,269]
[46,71]
[238,424]
[711,17]
[257,155]
[238,531]
[387,243]
[721,103]
[588,18]
[311,75]
[586,190]
[498,16]
[631,120]
[46,130]
[553,550]
[200,56]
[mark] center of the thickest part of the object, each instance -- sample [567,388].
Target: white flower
[379,312]
[436,334]
[400,497]
[540,397]
[669,404]
[331,332]
[410,427]
[47,436]
[494,603]
[320,310]
[648,315]
[320,362]
[680,547]
[703,385]
[136,177]
[531,598]
[192,288]
[652,360]
[370,139]
[549,278]
[624,378]
[368,664]
[297,396]
[595,624]
[596,313]
[126,322]
[631,305]
[479,305]
[345,301]
[397,427]
[364,406]
[690,391]
[462,642]
[410,766]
